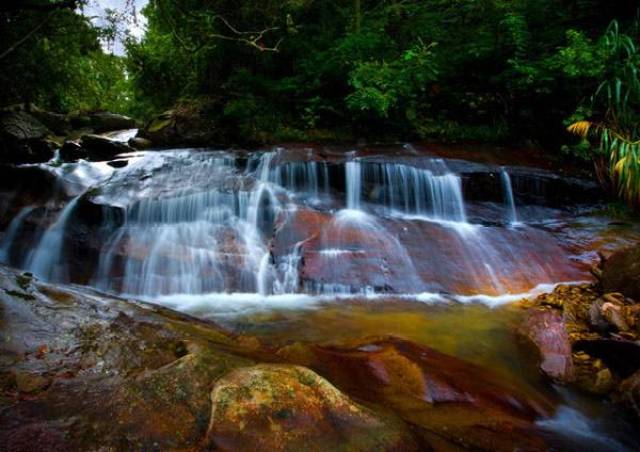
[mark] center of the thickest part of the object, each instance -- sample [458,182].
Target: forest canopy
[499,71]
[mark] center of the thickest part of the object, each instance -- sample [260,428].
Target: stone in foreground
[284,407]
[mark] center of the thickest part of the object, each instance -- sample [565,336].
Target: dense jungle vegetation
[513,72]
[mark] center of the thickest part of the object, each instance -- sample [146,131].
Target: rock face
[621,273]
[268,407]
[72,151]
[22,139]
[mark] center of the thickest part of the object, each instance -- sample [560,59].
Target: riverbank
[80,369]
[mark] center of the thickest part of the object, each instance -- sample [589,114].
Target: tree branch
[250,38]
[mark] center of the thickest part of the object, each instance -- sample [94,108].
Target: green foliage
[614,116]
[380,86]
[54,59]
[482,70]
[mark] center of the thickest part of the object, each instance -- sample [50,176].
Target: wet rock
[621,273]
[546,330]
[281,407]
[101,148]
[104,370]
[140,143]
[106,122]
[37,436]
[118,163]
[21,187]
[600,330]
[23,139]
[434,391]
[72,151]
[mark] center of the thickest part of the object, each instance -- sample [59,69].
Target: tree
[55,58]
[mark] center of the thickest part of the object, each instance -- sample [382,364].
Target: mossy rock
[286,407]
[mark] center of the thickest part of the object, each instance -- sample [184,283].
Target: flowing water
[313,245]
[509,198]
[300,223]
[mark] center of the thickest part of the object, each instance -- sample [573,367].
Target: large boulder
[59,123]
[621,273]
[284,407]
[106,122]
[182,126]
[92,370]
[140,143]
[72,151]
[100,148]
[23,139]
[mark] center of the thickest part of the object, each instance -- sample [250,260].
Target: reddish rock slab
[546,330]
[447,397]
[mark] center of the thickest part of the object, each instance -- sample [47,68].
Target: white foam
[233,303]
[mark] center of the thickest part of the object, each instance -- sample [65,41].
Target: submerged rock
[125,375]
[453,401]
[283,407]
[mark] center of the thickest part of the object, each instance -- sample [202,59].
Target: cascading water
[11,233]
[46,260]
[406,190]
[507,189]
[205,222]
[354,184]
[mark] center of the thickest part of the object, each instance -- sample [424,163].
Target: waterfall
[45,261]
[196,239]
[354,184]
[507,188]
[11,233]
[290,279]
[191,223]
[402,189]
